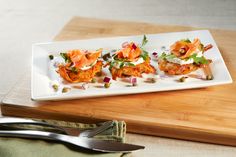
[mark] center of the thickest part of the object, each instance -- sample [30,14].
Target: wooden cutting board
[207,114]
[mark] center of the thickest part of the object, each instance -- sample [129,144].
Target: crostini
[80,66]
[130,60]
[184,57]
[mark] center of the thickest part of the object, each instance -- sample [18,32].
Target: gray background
[23,22]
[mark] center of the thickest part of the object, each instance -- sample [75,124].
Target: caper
[65,90]
[107,85]
[183,79]
[55,87]
[93,80]
[209,77]
[51,57]
[153,80]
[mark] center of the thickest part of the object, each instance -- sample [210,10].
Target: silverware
[87,143]
[8,121]
[96,131]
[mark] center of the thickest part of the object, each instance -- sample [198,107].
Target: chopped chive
[144,54]
[130,64]
[144,41]
[186,40]
[122,64]
[65,57]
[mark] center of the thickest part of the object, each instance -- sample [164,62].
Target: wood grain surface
[207,114]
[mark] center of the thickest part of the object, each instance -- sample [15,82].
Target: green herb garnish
[74,70]
[144,41]
[65,57]
[201,47]
[186,40]
[129,64]
[165,56]
[199,60]
[111,65]
[144,54]
[122,64]
[170,56]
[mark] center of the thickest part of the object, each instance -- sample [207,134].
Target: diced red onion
[134,46]
[133,81]
[106,79]
[154,53]
[125,44]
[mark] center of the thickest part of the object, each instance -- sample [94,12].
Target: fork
[8,121]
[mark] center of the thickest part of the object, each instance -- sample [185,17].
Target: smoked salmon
[80,66]
[184,57]
[130,60]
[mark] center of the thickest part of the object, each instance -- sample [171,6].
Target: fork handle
[27,134]
[10,120]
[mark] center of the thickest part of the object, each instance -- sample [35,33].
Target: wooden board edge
[132,127]
[91,19]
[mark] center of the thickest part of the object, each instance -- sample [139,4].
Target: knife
[83,142]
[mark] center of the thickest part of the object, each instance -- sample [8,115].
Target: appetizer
[184,57]
[80,66]
[130,60]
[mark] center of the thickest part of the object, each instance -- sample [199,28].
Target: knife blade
[83,142]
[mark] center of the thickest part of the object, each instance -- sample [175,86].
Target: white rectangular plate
[43,73]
